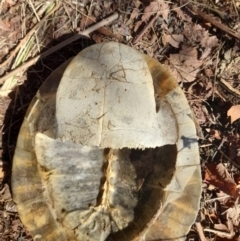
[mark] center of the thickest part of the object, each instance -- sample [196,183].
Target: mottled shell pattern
[108,151]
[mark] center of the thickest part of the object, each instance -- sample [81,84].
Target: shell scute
[78,143]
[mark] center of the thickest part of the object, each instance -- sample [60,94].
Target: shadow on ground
[22,96]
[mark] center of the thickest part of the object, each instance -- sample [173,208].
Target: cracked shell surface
[78,173]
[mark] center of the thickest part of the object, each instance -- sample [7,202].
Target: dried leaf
[5,193]
[194,33]
[97,38]
[174,39]
[11,206]
[214,133]
[208,73]
[233,214]
[121,29]
[234,113]
[2,172]
[164,8]
[134,13]
[4,26]
[155,7]
[151,9]
[199,113]
[86,21]
[208,43]
[218,175]
[180,13]
[11,2]
[185,65]
[137,25]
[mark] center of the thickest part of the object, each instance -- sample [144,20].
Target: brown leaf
[2,172]
[180,13]
[155,7]
[151,9]
[208,43]
[185,65]
[121,29]
[173,39]
[11,2]
[218,175]
[86,21]
[137,25]
[234,113]
[194,33]
[5,26]
[233,214]
[164,8]
[214,133]
[134,13]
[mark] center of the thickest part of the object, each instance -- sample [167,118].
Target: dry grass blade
[83,34]
[34,10]
[11,83]
[22,42]
[27,44]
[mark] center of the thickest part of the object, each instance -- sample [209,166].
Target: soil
[203,57]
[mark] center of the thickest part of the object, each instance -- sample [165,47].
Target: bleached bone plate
[108,151]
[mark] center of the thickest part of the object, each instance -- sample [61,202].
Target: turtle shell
[108,151]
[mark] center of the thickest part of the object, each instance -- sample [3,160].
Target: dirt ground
[198,41]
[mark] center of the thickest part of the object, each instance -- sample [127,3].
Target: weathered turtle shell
[108,151]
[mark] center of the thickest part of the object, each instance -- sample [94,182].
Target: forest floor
[198,41]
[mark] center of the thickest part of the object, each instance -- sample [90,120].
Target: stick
[200,231]
[139,36]
[209,19]
[217,24]
[237,92]
[82,34]
[217,198]
[220,233]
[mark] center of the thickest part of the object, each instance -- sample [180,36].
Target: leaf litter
[234,113]
[155,7]
[185,65]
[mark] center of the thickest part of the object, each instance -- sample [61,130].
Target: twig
[216,69]
[82,34]
[220,233]
[217,198]
[219,147]
[209,19]
[222,15]
[139,36]
[218,24]
[230,87]
[200,231]
[21,43]
[229,159]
